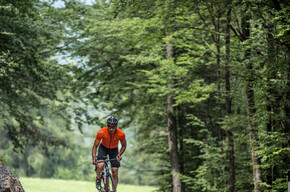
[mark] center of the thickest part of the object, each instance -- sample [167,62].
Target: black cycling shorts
[104,151]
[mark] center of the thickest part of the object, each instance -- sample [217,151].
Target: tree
[203,70]
[30,80]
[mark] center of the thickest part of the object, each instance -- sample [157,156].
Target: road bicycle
[107,182]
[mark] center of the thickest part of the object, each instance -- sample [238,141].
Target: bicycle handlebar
[106,160]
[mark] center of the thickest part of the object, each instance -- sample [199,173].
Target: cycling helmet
[112,121]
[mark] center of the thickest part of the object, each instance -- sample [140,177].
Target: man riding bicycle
[109,137]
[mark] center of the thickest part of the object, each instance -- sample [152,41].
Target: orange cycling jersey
[110,140]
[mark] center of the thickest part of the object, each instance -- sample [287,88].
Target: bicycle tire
[107,185]
[110,184]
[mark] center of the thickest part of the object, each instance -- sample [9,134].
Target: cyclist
[108,139]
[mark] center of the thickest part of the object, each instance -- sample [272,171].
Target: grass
[57,185]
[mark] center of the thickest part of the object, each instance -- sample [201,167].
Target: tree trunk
[271,90]
[287,99]
[217,39]
[251,108]
[230,136]
[181,120]
[271,124]
[172,131]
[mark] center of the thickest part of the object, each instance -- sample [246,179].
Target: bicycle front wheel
[110,184]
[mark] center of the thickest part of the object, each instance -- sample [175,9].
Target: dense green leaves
[227,72]
[31,82]
[124,43]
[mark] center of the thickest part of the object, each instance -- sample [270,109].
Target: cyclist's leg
[115,172]
[115,165]
[102,153]
[99,169]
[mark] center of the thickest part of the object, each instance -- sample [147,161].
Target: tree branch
[240,35]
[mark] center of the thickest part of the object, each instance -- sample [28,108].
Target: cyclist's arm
[94,151]
[123,148]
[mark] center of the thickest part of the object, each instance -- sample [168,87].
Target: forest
[200,87]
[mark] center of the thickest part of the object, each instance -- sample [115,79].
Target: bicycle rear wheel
[110,184]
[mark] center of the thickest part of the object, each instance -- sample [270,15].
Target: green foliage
[30,81]
[207,176]
[124,49]
[119,65]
